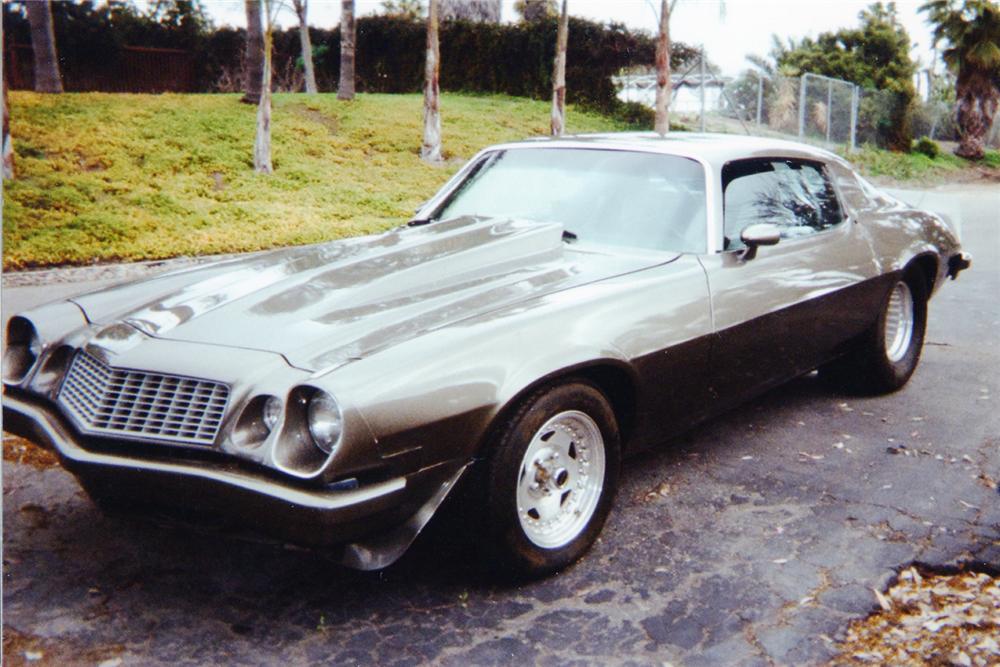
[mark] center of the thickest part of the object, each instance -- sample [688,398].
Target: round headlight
[271,412]
[325,421]
[23,349]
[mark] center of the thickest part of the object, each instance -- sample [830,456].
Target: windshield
[614,197]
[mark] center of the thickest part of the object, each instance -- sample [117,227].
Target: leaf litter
[937,619]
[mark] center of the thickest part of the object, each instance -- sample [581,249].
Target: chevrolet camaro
[558,304]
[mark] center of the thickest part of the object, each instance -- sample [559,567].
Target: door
[785,310]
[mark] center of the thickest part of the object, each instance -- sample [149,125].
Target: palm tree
[345,86]
[254,58]
[43,44]
[971,29]
[431,148]
[559,74]
[301,10]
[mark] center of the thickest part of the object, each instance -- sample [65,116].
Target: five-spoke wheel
[550,478]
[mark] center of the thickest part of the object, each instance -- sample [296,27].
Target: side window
[795,195]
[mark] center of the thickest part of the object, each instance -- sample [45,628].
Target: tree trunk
[43,44]
[262,139]
[8,144]
[302,10]
[977,106]
[345,86]
[254,54]
[663,88]
[559,74]
[431,148]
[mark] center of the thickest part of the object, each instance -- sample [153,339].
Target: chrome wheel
[560,480]
[898,322]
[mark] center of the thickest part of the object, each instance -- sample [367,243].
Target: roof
[716,149]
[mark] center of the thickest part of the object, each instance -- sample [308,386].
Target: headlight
[271,412]
[23,348]
[326,424]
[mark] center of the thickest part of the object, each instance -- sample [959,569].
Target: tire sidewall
[897,373]
[515,552]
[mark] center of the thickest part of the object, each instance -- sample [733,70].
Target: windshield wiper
[568,236]
[418,222]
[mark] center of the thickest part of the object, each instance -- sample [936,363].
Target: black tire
[877,365]
[520,552]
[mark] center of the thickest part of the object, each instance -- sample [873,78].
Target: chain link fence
[812,108]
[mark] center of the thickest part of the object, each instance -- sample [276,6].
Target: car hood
[321,306]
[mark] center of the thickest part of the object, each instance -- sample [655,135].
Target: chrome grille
[119,402]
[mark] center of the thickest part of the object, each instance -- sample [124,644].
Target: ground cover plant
[104,177]
[921,167]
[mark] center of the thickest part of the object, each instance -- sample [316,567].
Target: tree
[559,74]
[254,54]
[537,10]
[412,10]
[262,138]
[345,86]
[479,11]
[43,44]
[301,10]
[431,148]
[971,29]
[874,55]
[8,144]
[663,86]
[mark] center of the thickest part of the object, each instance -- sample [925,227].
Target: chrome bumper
[381,518]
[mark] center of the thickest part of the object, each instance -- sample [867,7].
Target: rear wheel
[888,353]
[551,478]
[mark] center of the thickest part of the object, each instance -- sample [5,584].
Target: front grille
[106,400]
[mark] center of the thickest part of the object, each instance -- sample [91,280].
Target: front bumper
[957,263]
[371,525]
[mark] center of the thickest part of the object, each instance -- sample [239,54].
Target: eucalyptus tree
[348,35]
[8,144]
[253,58]
[301,11]
[559,74]
[663,86]
[262,137]
[430,150]
[43,46]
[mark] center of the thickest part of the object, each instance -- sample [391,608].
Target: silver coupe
[559,303]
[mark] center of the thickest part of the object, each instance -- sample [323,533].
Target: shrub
[927,146]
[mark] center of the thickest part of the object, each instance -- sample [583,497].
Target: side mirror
[754,236]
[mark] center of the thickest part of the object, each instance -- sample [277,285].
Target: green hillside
[131,177]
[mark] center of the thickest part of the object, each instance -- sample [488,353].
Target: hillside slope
[130,177]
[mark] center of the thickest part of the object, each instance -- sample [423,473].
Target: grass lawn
[104,177]
[917,166]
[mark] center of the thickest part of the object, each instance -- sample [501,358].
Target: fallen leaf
[883,601]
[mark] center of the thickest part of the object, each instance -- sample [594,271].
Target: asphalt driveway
[754,540]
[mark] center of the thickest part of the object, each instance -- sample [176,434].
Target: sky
[743,27]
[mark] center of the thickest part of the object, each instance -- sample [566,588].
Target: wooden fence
[136,69]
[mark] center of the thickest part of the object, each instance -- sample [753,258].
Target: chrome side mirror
[754,236]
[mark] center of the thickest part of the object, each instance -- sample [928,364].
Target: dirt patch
[930,617]
[329,122]
[19,450]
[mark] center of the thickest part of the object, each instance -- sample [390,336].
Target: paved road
[752,541]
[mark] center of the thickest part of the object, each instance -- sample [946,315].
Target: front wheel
[552,475]
[888,353]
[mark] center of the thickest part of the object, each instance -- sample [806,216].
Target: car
[558,304]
